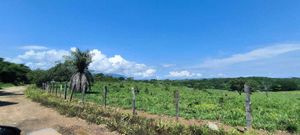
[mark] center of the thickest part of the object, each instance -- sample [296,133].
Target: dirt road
[16,110]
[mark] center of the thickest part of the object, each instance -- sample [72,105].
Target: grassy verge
[5,85]
[115,120]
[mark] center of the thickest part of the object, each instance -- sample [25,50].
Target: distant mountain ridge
[116,75]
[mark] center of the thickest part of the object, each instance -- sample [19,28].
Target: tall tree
[13,73]
[80,80]
[237,85]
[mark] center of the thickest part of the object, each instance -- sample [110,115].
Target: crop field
[277,111]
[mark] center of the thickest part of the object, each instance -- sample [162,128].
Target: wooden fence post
[46,84]
[51,90]
[105,95]
[247,90]
[52,87]
[133,101]
[65,91]
[60,90]
[49,87]
[56,88]
[176,96]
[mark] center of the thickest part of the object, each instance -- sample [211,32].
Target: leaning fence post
[133,101]
[105,95]
[65,91]
[247,90]
[176,96]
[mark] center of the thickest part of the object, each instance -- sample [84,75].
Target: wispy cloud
[257,54]
[168,65]
[33,47]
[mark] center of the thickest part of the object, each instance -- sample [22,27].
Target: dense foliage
[13,73]
[236,84]
[59,73]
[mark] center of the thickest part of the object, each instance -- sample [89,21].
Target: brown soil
[18,111]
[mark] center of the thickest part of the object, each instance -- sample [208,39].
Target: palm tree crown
[80,80]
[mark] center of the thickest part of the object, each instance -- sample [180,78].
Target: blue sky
[157,39]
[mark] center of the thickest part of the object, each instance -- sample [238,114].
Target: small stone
[241,129]
[213,126]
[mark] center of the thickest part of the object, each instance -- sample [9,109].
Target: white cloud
[42,59]
[45,59]
[184,74]
[73,49]
[117,64]
[33,47]
[257,54]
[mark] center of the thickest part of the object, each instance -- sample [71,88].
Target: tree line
[237,84]
[62,72]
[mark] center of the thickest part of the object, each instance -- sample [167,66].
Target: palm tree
[80,80]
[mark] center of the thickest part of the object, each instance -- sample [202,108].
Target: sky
[169,39]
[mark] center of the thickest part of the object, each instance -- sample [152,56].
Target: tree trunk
[82,88]
[65,91]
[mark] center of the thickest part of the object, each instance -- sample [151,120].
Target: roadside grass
[277,111]
[5,85]
[115,120]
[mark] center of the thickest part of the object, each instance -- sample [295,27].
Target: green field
[278,111]
[117,120]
